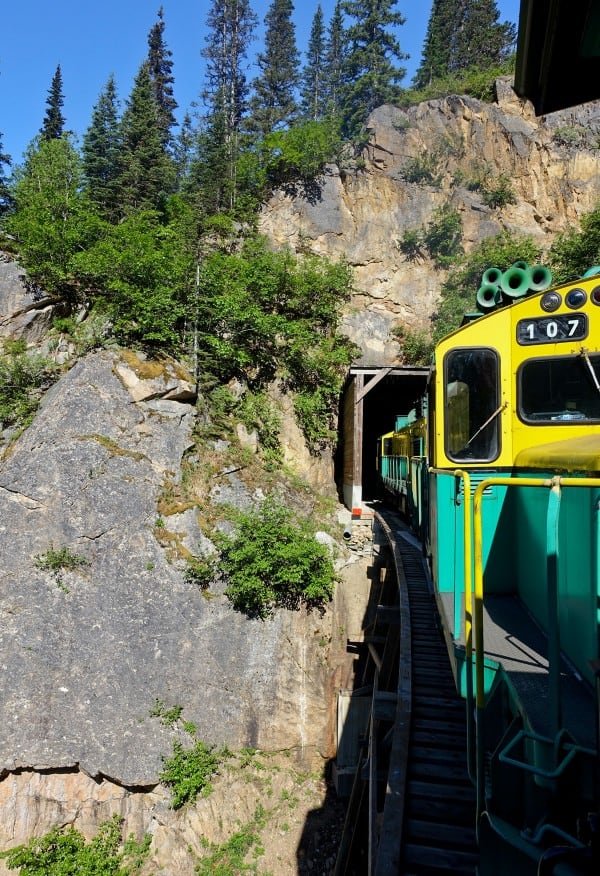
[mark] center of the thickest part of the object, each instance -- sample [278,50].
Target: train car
[505,493]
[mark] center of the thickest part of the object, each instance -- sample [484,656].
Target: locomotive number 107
[552,329]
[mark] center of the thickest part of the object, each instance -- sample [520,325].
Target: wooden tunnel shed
[373,397]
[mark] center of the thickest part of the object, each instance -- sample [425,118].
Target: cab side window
[471,399]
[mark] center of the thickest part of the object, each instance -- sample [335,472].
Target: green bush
[201,571]
[273,561]
[416,345]
[577,250]
[23,380]
[188,771]
[66,853]
[460,287]
[59,559]
[422,170]
[411,243]
[442,237]
[499,193]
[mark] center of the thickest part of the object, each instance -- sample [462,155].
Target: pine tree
[183,149]
[371,76]
[313,76]
[481,41]
[230,26]
[335,61]
[5,196]
[437,48]
[273,105]
[161,67]
[101,152]
[463,34]
[147,173]
[53,124]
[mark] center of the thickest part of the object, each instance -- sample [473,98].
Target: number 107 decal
[552,329]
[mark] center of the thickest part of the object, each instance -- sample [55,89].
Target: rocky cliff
[552,163]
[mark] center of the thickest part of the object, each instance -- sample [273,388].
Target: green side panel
[578,562]
[448,507]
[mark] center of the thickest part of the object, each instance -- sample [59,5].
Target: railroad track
[413,794]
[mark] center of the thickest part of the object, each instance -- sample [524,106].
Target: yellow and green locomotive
[501,479]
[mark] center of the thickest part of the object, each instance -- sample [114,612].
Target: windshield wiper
[488,421]
[586,359]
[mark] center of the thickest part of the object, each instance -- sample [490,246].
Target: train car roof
[558,53]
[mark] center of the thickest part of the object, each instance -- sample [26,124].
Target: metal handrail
[554,484]
[468,589]
[473,549]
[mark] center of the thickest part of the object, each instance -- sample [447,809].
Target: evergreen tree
[335,61]
[53,124]
[230,25]
[481,40]
[371,76]
[437,48]
[313,76]
[5,196]
[101,152]
[463,34]
[161,67]
[146,172]
[273,104]
[183,150]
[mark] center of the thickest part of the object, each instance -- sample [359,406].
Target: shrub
[443,235]
[66,853]
[460,287]
[498,194]
[411,243]
[58,559]
[188,771]
[422,170]
[416,345]
[274,561]
[201,571]
[23,379]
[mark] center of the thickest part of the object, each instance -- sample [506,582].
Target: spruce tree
[463,34]
[183,149]
[313,76]
[231,25]
[5,197]
[437,48]
[371,76]
[481,41]
[161,74]
[335,61]
[273,105]
[53,124]
[146,171]
[101,152]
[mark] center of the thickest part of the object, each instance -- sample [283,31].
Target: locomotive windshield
[560,390]
[472,404]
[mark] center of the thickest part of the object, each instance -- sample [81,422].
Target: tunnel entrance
[372,398]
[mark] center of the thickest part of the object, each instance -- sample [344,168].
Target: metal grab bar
[468,589]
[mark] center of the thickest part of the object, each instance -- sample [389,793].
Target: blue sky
[92,40]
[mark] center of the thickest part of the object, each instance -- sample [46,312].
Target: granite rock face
[86,652]
[552,163]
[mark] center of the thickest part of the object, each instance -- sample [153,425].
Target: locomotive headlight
[575,298]
[595,295]
[550,302]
